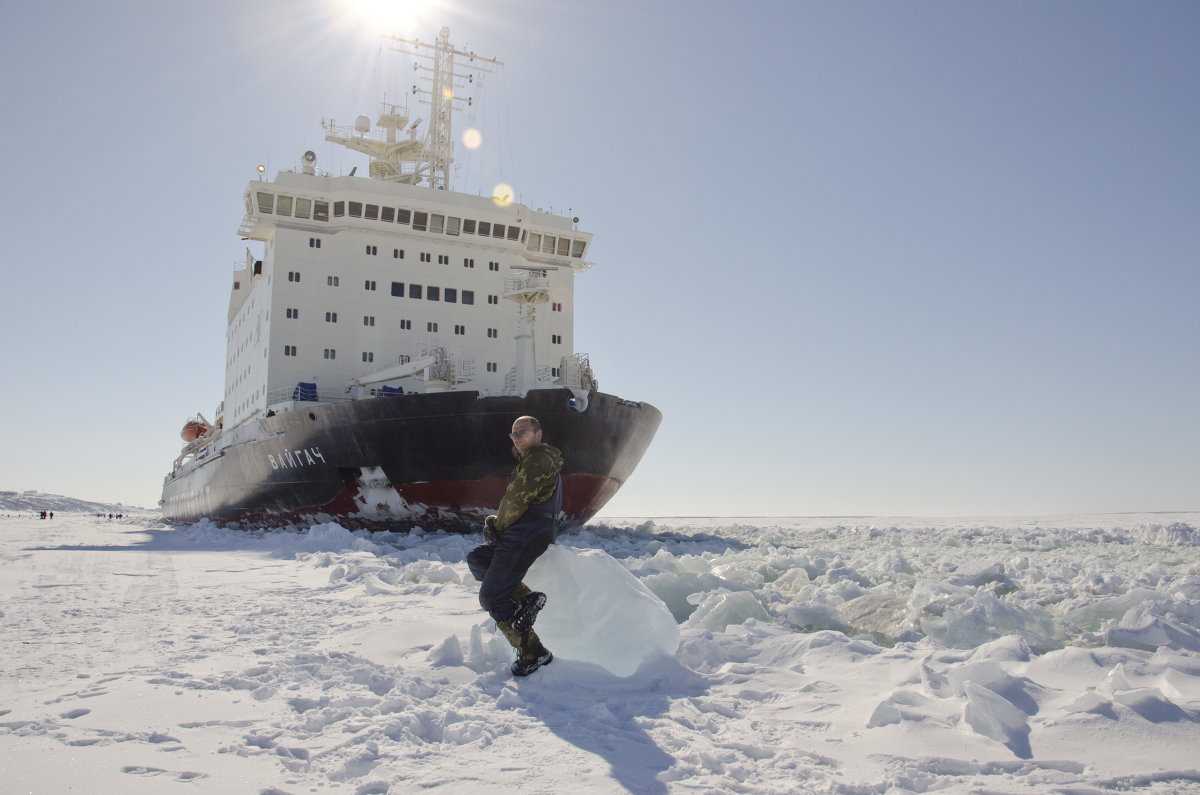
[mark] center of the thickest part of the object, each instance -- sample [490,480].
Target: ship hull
[437,460]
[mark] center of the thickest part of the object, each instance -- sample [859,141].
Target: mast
[436,66]
[527,290]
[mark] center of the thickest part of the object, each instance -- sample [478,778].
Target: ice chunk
[979,574]
[481,655]
[901,705]
[1092,615]
[991,675]
[1094,703]
[740,573]
[1151,705]
[674,590]
[811,617]
[597,612]
[330,537]
[715,612]
[1115,682]
[1010,648]
[1150,632]
[995,717]
[984,618]
[448,652]
[880,611]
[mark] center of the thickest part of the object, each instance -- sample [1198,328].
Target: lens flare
[502,195]
[472,138]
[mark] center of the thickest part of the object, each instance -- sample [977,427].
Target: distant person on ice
[523,527]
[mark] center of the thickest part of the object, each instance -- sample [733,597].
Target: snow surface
[856,656]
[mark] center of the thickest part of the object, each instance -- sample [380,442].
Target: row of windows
[423,221]
[369,320]
[268,203]
[299,207]
[432,327]
[449,295]
[369,356]
[443,259]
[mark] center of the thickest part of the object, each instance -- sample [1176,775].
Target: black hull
[436,460]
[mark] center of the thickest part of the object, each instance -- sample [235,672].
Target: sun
[392,16]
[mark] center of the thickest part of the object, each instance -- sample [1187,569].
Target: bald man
[523,527]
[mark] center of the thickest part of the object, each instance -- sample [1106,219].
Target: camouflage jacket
[534,481]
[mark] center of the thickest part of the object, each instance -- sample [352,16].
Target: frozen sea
[843,655]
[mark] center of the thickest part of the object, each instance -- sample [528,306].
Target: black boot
[531,656]
[527,611]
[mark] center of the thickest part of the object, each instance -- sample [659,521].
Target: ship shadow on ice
[636,541]
[165,538]
[607,715]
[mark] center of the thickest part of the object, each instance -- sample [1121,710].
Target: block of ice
[674,590]
[1149,632]
[995,717]
[811,617]
[991,675]
[984,618]
[599,613]
[900,706]
[715,612]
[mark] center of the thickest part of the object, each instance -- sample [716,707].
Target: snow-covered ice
[1045,655]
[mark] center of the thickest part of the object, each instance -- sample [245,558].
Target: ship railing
[287,396]
[530,283]
[543,377]
[285,399]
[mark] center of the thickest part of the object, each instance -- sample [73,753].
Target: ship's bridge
[331,204]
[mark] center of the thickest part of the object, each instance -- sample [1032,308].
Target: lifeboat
[194,428]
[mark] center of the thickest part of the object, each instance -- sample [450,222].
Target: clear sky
[930,258]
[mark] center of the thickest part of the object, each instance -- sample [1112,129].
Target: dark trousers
[501,567]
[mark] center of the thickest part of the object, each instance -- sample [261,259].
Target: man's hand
[490,536]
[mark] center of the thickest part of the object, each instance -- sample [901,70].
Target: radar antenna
[440,73]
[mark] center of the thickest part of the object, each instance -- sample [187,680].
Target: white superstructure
[359,275]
